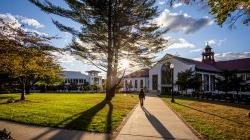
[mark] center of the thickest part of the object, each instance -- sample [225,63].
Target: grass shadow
[159,127]
[82,122]
[217,102]
[212,114]
[4,97]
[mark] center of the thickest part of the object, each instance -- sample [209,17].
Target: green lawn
[214,120]
[73,111]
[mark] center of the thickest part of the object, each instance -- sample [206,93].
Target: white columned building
[158,79]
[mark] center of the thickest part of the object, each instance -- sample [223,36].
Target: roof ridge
[234,59]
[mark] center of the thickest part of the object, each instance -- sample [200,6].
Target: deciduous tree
[25,56]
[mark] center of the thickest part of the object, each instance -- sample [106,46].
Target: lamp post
[172,72]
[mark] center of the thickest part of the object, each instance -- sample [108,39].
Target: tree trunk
[116,44]
[110,55]
[23,92]
[45,88]
[27,88]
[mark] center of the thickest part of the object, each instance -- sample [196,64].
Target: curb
[183,120]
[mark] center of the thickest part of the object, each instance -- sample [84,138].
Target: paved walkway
[29,132]
[155,121]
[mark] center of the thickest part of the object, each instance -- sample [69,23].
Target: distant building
[137,80]
[159,77]
[78,79]
[75,77]
[95,79]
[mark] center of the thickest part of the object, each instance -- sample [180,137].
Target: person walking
[141,97]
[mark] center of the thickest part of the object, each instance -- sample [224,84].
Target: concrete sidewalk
[29,132]
[155,121]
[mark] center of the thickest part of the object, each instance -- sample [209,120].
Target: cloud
[71,63]
[64,57]
[181,22]
[30,21]
[196,50]
[161,2]
[211,42]
[228,56]
[17,21]
[179,43]
[197,58]
[8,18]
[231,56]
[214,42]
[176,5]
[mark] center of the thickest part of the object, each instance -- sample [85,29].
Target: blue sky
[191,27]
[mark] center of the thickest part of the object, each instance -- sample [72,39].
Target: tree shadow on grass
[212,114]
[217,102]
[81,122]
[159,127]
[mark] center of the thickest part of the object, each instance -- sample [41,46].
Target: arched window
[165,74]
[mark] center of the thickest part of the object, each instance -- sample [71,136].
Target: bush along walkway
[155,121]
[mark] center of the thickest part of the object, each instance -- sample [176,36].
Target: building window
[130,84]
[244,76]
[206,82]
[96,80]
[155,82]
[66,80]
[165,74]
[212,82]
[248,76]
[135,83]
[141,84]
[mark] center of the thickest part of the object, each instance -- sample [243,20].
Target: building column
[202,84]
[209,83]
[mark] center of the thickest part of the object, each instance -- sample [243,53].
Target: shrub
[5,135]
[11,100]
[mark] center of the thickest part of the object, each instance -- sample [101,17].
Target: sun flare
[124,63]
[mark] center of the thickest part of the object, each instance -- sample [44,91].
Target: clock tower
[208,55]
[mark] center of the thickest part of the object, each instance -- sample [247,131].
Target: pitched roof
[241,65]
[93,71]
[237,64]
[198,64]
[74,75]
[139,73]
[208,47]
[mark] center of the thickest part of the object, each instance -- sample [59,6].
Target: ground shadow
[82,122]
[4,97]
[212,114]
[217,102]
[109,121]
[159,127]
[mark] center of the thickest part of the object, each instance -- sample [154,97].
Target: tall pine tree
[110,31]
